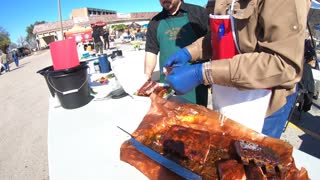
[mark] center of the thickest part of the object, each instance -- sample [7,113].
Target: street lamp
[61,28]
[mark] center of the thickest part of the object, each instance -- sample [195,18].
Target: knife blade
[169,164]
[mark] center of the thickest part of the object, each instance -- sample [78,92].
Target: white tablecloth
[84,143]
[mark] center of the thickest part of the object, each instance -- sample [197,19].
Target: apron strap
[233,27]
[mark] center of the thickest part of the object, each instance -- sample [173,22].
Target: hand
[179,58]
[184,78]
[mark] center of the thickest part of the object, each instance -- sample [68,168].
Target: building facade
[87,12]
[84,17]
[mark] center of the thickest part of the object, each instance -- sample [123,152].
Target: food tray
[102,89]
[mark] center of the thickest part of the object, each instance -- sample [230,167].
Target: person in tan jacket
[5,61]
[264,60]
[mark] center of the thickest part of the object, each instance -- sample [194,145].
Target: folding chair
[298,104]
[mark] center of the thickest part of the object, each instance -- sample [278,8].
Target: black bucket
[70,85]
[117,53]
[44,72]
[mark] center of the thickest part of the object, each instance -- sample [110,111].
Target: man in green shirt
[176,26]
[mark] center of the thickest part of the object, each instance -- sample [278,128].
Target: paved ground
[24,114]
[304,130]
[23,122]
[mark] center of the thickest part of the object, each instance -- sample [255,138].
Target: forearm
[254,71]
[150,63]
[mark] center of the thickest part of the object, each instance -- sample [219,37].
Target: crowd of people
[102,37]
[6,59]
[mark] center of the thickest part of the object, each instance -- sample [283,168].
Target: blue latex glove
[179,58]
[184,78]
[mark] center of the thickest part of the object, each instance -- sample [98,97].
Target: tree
[31,38]
[4,39]
[119,27]
[13,46]
[21,41]
[32,43]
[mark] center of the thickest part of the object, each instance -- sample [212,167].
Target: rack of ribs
[147,88]
[192,136]
[150,87]
[186,143]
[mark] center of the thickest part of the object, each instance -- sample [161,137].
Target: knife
[169,164]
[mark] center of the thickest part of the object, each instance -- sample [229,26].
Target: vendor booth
[80,34]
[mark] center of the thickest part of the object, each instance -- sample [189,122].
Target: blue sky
[16,15]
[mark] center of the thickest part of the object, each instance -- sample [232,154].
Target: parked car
[23,51]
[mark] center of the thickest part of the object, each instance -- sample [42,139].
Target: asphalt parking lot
[303,132]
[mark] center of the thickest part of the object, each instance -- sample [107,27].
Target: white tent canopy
[315,4]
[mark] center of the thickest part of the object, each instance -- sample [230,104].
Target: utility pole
[60,17]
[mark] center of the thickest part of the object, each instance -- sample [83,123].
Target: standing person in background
[2,67]
[310,53]
[176,26]
[15,58]
[257,52]
[5,61]
[106,39]
[97,35]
